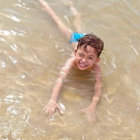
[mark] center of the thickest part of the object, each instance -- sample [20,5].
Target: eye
[81,54]
[90,58]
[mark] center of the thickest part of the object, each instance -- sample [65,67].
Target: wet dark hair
[93,41]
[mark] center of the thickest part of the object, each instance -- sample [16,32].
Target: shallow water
[32,51]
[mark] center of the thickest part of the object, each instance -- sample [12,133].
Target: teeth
[82,65]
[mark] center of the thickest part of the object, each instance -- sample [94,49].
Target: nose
[83,60]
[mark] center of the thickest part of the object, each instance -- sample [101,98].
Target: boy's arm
[52,105]
[63,73]
[90,110]
[98,87]
[66,31]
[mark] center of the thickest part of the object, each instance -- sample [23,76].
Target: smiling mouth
[82,65]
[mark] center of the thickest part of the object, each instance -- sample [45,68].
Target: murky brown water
[32,50]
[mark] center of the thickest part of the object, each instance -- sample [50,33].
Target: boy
[87,49]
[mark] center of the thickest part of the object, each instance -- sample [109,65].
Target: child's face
[86,60]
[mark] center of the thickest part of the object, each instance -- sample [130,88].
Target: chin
[82,68]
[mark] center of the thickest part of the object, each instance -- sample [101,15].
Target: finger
[44,109]
[50,113]
[46,112]
[60,110]
[90,119]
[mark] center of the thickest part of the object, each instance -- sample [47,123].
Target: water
[32,51]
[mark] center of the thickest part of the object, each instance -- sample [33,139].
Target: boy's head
[92,41]
[88,51]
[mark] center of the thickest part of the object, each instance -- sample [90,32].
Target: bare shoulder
[70,61]
[97,68]
[97,71]
[67,67]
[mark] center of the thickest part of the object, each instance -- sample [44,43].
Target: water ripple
[12,17]
[32,52]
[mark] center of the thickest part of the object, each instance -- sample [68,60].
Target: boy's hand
[51,108]
[90,114]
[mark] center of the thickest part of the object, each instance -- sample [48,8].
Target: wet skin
[85,60]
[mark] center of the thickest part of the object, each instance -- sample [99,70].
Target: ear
[98,60]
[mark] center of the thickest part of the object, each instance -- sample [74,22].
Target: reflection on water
[32,51]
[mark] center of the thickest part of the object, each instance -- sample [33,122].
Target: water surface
[32,51]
